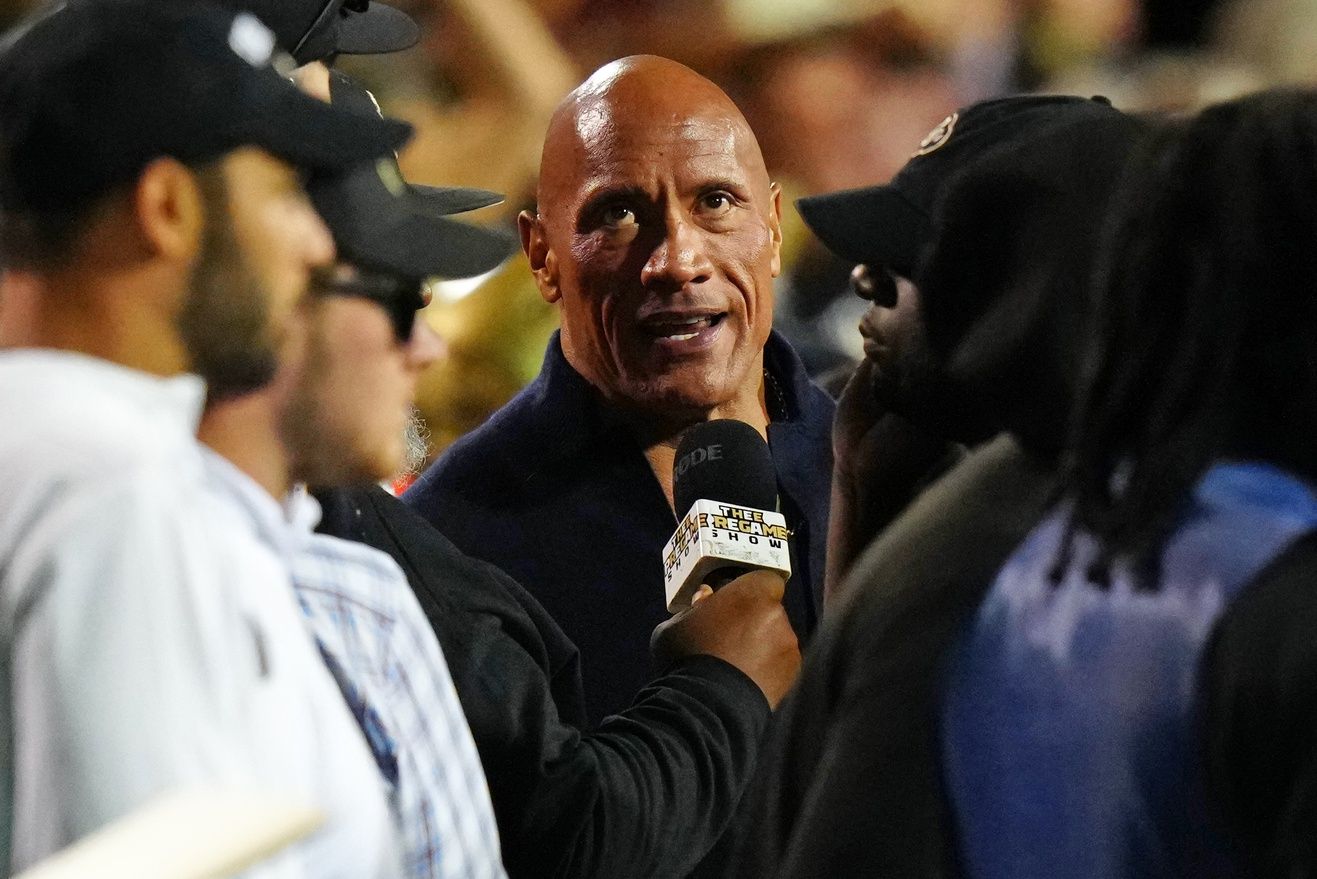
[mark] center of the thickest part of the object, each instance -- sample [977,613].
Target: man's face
[348,415]
[262,242]
[905,372]
[660,237]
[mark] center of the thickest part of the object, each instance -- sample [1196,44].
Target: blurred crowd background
[838,91]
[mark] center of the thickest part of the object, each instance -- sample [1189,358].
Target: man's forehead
[601,132]
[642,119]
[618,142]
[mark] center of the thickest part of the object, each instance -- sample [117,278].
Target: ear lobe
[775,228]
[170,210]
[543,261]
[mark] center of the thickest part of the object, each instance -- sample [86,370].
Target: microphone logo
[697,456]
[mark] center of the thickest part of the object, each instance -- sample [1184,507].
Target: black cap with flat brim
[875,225]
[380,224]
[890,225]
[93,91]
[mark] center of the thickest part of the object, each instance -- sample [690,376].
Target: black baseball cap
[93,91]
[313,30]
[381,222]
[890,225]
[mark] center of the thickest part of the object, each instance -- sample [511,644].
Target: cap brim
[452,199]
[350,95]
[317,136]
[875,225]
[421,245]
[381,28]
[399,234]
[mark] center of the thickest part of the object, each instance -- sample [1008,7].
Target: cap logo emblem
[250,40]
[391,177]
[937,137]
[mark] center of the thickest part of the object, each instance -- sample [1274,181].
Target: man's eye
[617,215]
[716,202]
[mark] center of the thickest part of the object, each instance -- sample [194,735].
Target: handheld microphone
[723,478]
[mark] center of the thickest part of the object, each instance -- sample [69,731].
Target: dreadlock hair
[1206,322]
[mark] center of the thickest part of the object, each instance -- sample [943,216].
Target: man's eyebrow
[738,187]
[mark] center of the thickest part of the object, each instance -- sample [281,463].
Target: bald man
[657,234]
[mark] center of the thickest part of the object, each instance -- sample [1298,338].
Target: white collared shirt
[152,638]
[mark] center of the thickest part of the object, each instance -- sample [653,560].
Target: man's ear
[775,226]
[543,261]
[170,210]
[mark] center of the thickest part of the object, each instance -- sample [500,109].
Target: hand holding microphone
[725,483]
[742,623]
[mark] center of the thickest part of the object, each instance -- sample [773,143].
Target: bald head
[634,95]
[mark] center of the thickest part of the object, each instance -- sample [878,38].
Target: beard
[225,320]
[416,445]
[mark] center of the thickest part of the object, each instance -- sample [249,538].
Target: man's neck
[659,436]
[245,430]
[100,317]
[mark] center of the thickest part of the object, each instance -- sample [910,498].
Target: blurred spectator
[150,641]
[1137,686]
[496,336]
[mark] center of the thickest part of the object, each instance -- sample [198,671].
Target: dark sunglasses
[400,298]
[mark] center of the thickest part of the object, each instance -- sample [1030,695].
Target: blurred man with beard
[154,218]
[335,415]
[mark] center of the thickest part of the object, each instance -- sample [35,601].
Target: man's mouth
[682,329]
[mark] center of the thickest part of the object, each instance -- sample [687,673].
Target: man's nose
[873,285]
[318,242]
[679,258]
[425,347]
[862,282]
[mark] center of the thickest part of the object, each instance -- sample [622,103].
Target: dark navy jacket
[559,495]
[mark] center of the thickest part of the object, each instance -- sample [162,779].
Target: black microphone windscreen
[726,461]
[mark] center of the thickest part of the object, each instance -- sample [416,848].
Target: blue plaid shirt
[383,653]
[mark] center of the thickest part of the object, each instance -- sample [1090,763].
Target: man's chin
[360,465]
[885,387]
[677,398]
